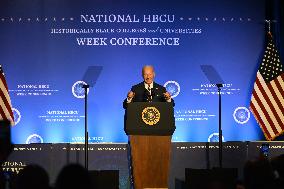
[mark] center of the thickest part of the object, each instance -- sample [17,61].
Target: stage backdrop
[47,47]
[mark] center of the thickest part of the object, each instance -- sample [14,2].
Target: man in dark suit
[148,90]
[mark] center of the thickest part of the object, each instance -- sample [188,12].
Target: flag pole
[268,22]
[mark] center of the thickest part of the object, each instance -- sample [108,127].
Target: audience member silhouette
[73,176]
[259,174]
[277,164]
[240,184]
[5,150]
[32,177]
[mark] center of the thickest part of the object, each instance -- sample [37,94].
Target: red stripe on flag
[264,112]
[280,88]
[271,106]
[275,97]
[259,120]
[3,81]
[8,107]
[2,113]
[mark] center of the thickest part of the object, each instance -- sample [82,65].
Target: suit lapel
[155,86]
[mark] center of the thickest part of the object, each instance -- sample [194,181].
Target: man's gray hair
[147,66]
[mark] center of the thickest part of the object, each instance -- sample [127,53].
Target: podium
[150,127]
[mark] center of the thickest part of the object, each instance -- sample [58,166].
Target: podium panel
[149,118]
[150,160]
[150,127]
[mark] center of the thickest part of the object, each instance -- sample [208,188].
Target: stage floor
[114,156]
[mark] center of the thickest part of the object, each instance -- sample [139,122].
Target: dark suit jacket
[141,94]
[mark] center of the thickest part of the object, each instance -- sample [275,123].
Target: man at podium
[148,90]
[149,123]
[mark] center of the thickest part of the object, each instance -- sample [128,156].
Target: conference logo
[151,115]
[34,138]
[173,88]
[17,115]
[241,115]
[77,89]
[214,137]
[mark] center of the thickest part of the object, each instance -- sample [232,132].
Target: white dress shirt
[148,87]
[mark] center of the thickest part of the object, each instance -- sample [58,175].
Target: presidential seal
[34,138]
[241,115]
[77,89]
[214,137]
[151,115]
[173,88]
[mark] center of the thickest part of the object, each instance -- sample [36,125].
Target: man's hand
[167,96]
[130,95]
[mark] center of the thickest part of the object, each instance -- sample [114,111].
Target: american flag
[6,112]
[267,100]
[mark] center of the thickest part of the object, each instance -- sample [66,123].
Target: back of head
[278,165]
[32,177]
[73,176]
[258,174]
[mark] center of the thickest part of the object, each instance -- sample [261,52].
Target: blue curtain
[275,11]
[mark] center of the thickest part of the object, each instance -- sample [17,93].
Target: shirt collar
[151,85]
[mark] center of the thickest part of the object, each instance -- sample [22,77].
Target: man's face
[148,75]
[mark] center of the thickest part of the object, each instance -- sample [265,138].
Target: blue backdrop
[44,59]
